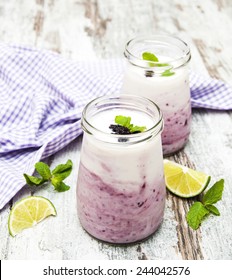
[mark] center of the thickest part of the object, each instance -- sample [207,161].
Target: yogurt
[121,189]
[171,93]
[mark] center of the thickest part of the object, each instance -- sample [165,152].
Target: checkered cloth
[42,96]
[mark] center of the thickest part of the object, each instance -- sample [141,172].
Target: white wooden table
[99,29]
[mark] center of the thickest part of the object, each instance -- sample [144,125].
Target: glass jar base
[170,149]
[129,243]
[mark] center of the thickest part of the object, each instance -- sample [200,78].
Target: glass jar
[166,82]
[121,188]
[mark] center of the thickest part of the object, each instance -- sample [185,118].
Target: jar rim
[113,138]
[161,38]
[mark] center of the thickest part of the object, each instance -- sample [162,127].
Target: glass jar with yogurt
[121,188]
[164,80]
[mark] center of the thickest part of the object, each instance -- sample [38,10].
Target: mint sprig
[199,210]
[56,176]
[126,122]
[152,57]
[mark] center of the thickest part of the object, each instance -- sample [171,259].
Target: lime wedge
[28,212]
[184,181]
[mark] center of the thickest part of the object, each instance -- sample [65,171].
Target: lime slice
[28,212]
[184,181]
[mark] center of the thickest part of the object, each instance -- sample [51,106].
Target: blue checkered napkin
[210,93]
[41,99]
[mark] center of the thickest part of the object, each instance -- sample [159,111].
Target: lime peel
[28,212]
[183,181]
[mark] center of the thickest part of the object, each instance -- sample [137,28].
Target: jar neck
[172,53]
[128,102]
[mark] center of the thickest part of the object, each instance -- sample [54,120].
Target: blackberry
[149,73]
[119,129]
[122,139]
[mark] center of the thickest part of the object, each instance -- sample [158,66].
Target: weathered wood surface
[99,29]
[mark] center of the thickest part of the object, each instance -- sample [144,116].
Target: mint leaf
[213,209]
[123,121]
[63,187]
[150,57]
[59,185]
[167,73]
[43,170]
[138,129]
[162,64]
[214,194]
[62,171]
[31,180]
[196,214]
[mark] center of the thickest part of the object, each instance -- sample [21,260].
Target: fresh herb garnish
[167,73]
[151,57]
[124,126]
[56,176]
[126,122]
[199,210]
